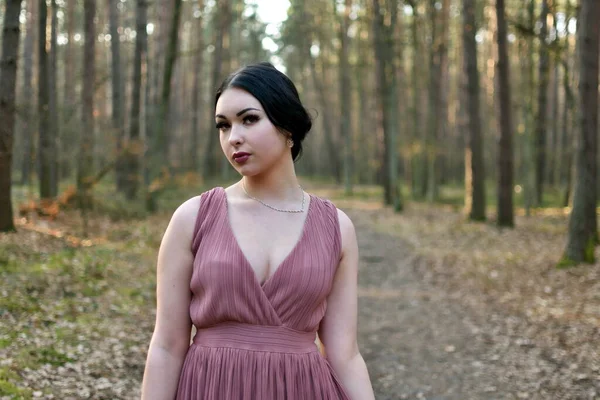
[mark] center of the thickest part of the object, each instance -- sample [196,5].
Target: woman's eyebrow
[239,113]
[246,110]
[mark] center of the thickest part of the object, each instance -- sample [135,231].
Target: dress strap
[330,225]
[207,202]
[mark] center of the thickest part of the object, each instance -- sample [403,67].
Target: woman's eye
[249,119]
[221,126]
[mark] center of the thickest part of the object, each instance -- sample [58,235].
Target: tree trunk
[540,121]
[46,140]
[210,167]
[529,159]
[475,150]
[162,138]
[69,63]
[437,95]
[566,146]
[226,62]
[53,102]
[362,163]
[345,97]
[198,89]
[118,103]
[8,81]
[554,164]
[583,230]
[86,141]
[27,125]
[327,120]
[133,149]
[386,88]
[418,107]
[505,151]
[70,104]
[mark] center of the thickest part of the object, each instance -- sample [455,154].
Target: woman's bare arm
[171,337]
[338,328]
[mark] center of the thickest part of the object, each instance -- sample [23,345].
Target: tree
[540,122]
[386,85]
[345,96]
[474,156]
[86,141]
[53,101]
[583,228]
[118,103]
[419,104]
[46,140]
[505,151]
[132,149]
[28,115]
[198,71]
[437,94]
[566,147]
[220,18]
[8,80]
[162,142]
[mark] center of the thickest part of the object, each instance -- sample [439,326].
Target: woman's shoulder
[342,218]
[187,211]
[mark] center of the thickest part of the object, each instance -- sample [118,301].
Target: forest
[461,137]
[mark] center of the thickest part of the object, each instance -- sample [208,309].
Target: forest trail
[421,342]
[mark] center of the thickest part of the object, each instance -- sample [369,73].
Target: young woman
[259,268]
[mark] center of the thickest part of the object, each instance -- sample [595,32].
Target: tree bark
[554,160]
[437,95]
[210,167]
[540,121]
[386,88]
[505,150]
[70,104]
[419,105]
[528,74]
[345,96]
[133,148]
[54,154]
[27,124]
[475,150]
[8,87]
[198,89]
[162,138]
[118,103]
[86,141]
[334,162]
[566,141]
[583,229]
[45,147]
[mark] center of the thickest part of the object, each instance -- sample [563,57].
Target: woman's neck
[279,185]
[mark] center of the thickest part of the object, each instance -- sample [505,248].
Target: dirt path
[420,343]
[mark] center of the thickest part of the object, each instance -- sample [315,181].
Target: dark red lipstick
[241,157]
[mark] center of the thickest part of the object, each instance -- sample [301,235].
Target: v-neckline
[285,259]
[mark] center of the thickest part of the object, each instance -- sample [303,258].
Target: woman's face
[249,140]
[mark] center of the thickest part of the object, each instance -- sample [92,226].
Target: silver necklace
[275,208]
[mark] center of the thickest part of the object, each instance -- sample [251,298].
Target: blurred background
[463,131]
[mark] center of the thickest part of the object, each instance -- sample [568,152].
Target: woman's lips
[241,158]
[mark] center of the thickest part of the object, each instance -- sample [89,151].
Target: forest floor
[448,309]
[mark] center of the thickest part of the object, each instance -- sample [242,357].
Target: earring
[290,143]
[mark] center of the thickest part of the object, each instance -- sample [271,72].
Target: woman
[258,268]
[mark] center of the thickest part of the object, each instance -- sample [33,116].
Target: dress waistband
[256,337]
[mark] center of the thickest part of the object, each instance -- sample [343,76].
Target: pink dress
[253,341]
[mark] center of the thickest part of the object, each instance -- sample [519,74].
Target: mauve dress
[253,341]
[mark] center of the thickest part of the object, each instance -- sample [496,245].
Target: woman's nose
[236,136]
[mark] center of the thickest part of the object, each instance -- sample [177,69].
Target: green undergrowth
[59,302]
